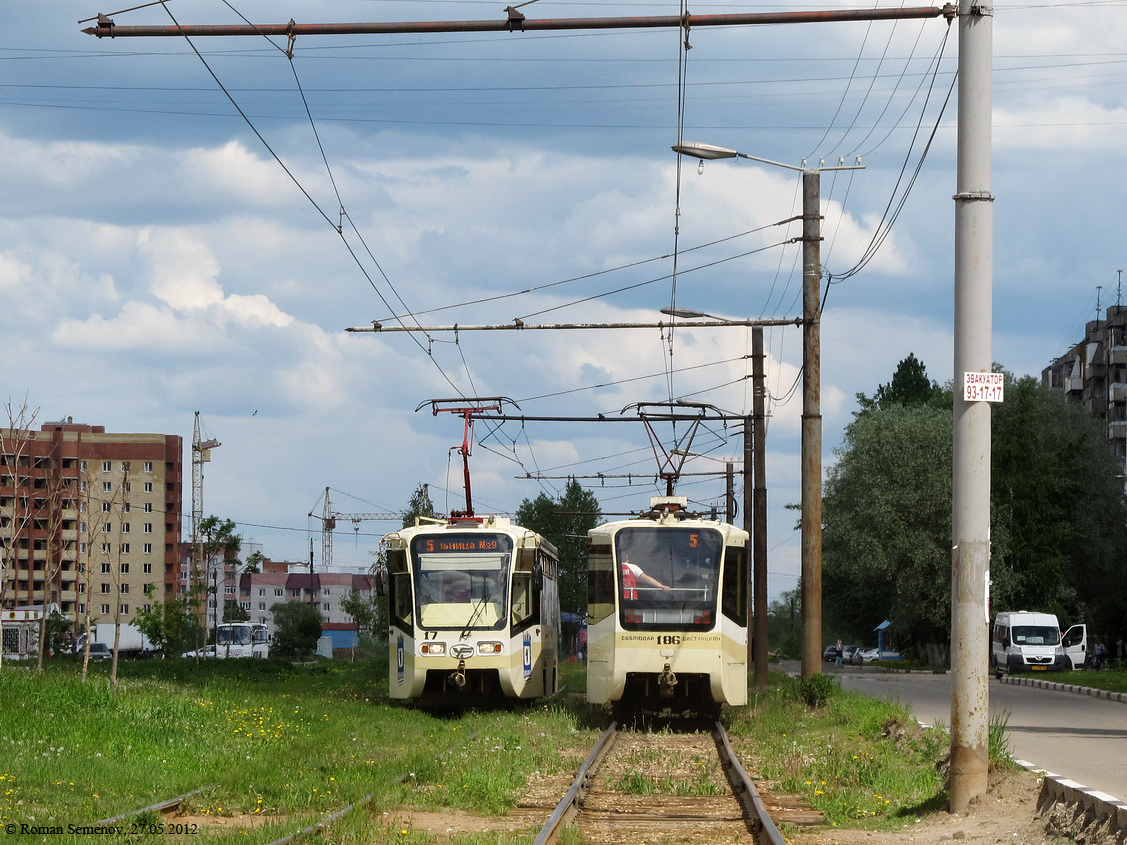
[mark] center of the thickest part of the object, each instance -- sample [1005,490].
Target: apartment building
[1094,374]
[260,592]
[90,520]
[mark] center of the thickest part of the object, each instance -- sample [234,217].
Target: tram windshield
[668,576]
[461,580]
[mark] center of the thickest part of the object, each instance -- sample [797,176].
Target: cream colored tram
[474,613]
[667,612]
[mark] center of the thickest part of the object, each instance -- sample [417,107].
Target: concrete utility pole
[811,424]
[970,515]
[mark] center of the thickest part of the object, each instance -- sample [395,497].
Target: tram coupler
[458,677]
[666,681]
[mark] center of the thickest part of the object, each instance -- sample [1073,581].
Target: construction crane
[201,454]
[329,519]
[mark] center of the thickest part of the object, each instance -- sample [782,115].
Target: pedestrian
[1098,655]
[839,649]
[1119,649]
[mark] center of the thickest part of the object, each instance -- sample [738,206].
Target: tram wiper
[476,613]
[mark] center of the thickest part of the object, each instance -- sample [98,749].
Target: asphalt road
[1074,736]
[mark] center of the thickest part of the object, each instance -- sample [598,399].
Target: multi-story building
[260,592]
[89,520]
[1094,373]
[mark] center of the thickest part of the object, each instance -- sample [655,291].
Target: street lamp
[688,314]
[811,393]
[710,152]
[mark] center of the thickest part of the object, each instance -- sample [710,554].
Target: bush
[818,690]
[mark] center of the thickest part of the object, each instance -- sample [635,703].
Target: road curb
[1084,810]
[1072,688]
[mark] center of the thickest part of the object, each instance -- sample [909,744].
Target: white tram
[474,613]
[667,612]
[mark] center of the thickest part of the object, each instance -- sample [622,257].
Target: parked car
[865,655]
[100,651]
[206,651]
[830,654]
[847,653]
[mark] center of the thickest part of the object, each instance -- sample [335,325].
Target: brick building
[89,520]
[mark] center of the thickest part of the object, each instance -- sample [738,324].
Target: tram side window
[399,599]
[526,601]
[733,603]
[600,583]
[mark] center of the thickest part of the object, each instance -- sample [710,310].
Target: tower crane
[329,519]
[201,454]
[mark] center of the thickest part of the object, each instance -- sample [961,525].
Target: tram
[474,613]
[667,612]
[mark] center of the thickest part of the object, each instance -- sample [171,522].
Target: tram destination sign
[463,544]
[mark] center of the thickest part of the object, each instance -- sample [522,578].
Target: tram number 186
[669,639]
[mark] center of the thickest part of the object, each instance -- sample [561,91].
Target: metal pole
[514,22]
[811,426]
[759,500]
[970,516]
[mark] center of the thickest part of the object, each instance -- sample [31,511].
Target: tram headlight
[434,649]
[489,648]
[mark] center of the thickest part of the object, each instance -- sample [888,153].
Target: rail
[755,815]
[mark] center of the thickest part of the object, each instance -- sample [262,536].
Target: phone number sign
[983,387]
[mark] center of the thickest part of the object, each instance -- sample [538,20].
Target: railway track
[662,787]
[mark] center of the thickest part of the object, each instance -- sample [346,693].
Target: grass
[853,758]
[286,746]
[661,770]
[1113,679]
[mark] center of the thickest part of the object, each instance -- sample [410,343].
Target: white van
[1024,641]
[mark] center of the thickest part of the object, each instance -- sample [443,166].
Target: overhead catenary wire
[336,226]
[670,344]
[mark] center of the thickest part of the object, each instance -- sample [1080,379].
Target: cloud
[1075,125]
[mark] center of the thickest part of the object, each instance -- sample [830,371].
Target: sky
[192,226]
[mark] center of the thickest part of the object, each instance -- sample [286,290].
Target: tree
[170,626]
[15,520]
[234,612]
[784,623]
[887,536]
[219,545]
[1058,516]
[420,505]
[297,627]
[362,610]
[909,386]
[254,562]
[565,523]
[1060,523]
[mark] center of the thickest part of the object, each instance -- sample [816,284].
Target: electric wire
[336,227]
[649,281]
[682,89]
[890,216]
[580,278]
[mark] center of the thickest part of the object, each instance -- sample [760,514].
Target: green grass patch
[286,744]
[1113,680]
[860,761]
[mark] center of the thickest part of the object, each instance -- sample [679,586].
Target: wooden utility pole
[759,505]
